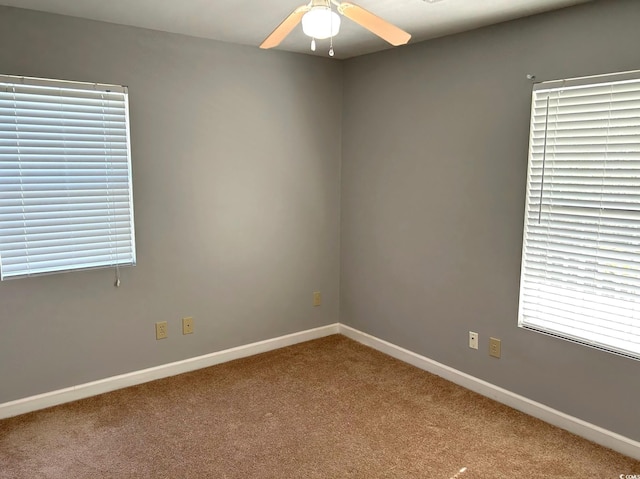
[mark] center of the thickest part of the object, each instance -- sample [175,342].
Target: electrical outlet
[473,340]
[161,330]
[187,325]
[317,298]
[494,347]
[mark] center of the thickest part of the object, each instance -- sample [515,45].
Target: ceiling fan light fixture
[321,22]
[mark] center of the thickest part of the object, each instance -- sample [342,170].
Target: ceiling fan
[319,21]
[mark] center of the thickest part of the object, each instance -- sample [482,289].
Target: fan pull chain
[313,44]
[331,53]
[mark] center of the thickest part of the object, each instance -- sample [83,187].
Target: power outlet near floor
[317,298]
[187,325]
[494,347]
[161,330]
[473,340]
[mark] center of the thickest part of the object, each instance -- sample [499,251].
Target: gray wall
[236,164]
[435,142]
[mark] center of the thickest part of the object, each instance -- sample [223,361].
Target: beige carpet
[329,408]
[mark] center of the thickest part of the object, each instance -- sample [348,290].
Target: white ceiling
[248,22]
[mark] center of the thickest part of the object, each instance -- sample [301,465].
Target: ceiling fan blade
[385,30]
[287,25]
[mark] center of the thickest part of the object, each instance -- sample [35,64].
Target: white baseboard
[589,431]
[53,398]
[572,424]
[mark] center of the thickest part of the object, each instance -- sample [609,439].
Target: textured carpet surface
[329,408]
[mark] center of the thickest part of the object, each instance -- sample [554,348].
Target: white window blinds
[581,253]
[65,177]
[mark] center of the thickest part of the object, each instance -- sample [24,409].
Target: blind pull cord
[110,200]
[544,159]
[602,185]
[22,205]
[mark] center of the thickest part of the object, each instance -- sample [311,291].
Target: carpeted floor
[329,408]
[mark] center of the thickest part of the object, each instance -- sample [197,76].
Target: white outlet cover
[473,340]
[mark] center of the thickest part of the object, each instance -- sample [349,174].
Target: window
[581,253]
[65,177]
